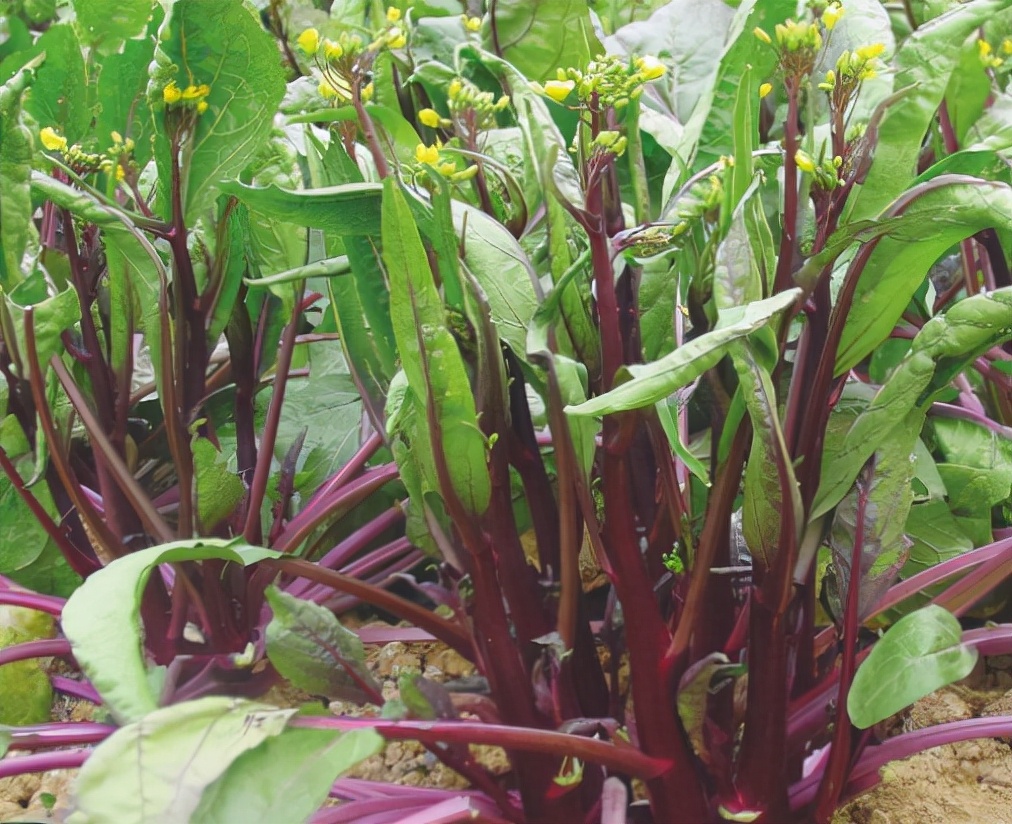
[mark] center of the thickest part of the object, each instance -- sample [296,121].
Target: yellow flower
[397,39]
[430,118]
[804,162]
[51,140]
[328,90]
[446,169]
[427,154]
[1006,45]
[332,50]
[196,92]
[171,93]
[765,89]
[393,14]
[559,90]
[309,41]
[762,35]
[117,138]
[120,174]
[454,89]
[202,107]
[367,91]
[869,52]
[471,23]
[650,67]
[832,15]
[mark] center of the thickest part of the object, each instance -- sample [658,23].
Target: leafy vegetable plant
[296,298]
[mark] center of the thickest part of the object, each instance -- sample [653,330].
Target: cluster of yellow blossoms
[193,96]
[609,79]
[988,58]
[112,161]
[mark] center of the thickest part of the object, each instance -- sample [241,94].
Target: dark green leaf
[652,382]
[310,647]
[540,36]
[108,22]
[15,177]
[351,209]
[220,43]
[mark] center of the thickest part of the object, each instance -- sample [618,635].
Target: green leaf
[540,36]
[52,316]
[154,771]
[60,97]
[431,360]
[310,647]
[15,177]
[924,61]
[951,208]
[394,131]
[766,495]
[220,43]
[286,778]
[351,209]
[652,382]
[122,98]
[108,22]
[28,695]
[218,490]
[688,36]
[102,623]
[936,536]
[502,269]
[709,131]
[919,654]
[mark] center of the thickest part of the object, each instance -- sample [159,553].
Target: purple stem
[619,758]
[865,773]
[351,546]
[947,410]
[78,689]
[32,600]
[44,762]
[48,648]
[59,734]
[346,602]
[303,524]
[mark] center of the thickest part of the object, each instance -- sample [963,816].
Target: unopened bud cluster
[113,160]
[608,82]
[825,173]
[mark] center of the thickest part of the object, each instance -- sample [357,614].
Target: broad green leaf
[286,778]
[540,36]
[351,209]
[53,314]
[618,14]
[222,44]
[108,22]
[740,274]
[649,383]
[968,91]
[218,490]
[311,648]
[327,409]
[936,536]
[122,98]
[28,695]
[885,548]
[102,622]
[952,208]
[689,37]
[22,537]
[919,654]
[60,95]
[15,177]
[154,770]
[503,271]
[940,351]
[708,132]
[924,61]
[431,360]
[766,495]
